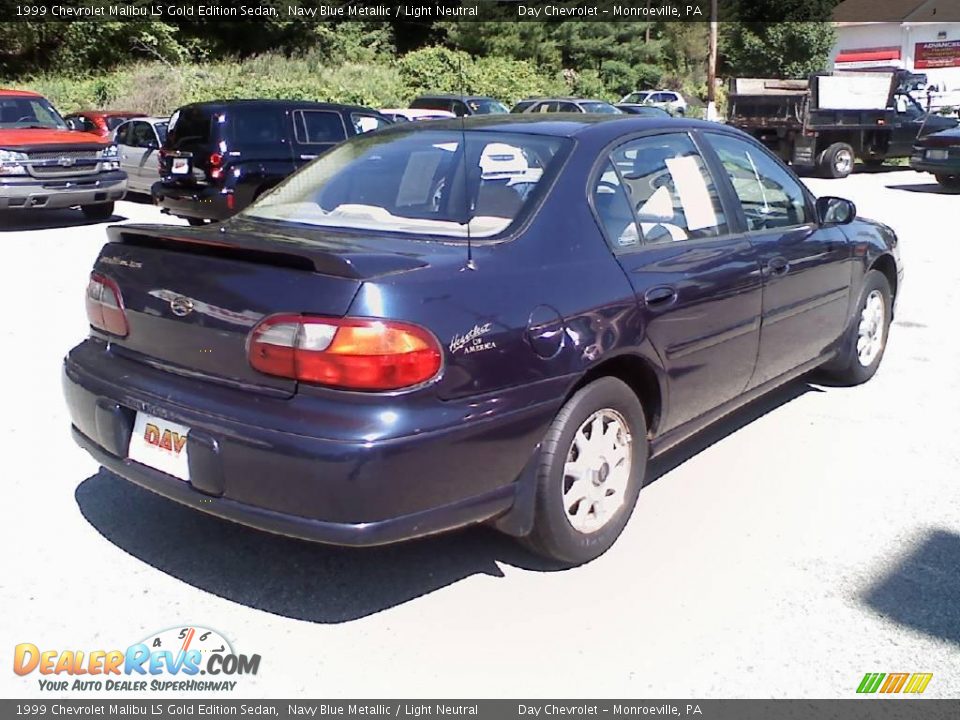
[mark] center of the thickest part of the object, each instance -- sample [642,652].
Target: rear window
[600,107]
[318,126]
[427,182]
[190,126]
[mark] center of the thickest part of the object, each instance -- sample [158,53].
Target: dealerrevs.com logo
[177,659]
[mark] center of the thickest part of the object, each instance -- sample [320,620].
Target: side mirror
[835,211]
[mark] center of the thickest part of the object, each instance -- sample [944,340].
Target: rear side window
[257,125]
[769,195]
[432,104]
[672,192]
[612,204]
[189,126]
[315,127]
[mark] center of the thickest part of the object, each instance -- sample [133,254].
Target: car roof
[106,113]
[570,99]
[245,102]
[451,96]
[565,124]
[10,92]
[147,118]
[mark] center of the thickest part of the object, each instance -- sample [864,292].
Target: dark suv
[220,156]
[460,104]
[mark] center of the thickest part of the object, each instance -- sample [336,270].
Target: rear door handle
[308,157]
[660,296]
[778,266]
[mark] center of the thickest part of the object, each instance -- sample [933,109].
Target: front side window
[671,190]
[769,195]
[142,135]
[426,182]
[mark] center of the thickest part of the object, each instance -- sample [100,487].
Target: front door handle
[778,266]
[308,157]
[660,296]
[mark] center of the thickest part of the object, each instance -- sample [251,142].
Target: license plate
[936,154]
[181,166]
[160,444]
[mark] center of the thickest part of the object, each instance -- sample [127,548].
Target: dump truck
[824,123]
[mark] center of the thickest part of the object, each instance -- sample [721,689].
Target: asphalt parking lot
[811,538]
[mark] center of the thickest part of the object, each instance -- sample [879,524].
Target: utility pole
[712,65]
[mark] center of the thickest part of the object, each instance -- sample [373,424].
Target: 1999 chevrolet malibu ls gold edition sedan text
[485,320]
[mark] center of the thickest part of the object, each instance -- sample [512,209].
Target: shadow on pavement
[864,169]
[930,188]
[923,591]
[18,220]
[321,583]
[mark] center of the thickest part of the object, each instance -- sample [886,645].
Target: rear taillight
[105,306]
[216,171]
[347,353]
[161,160]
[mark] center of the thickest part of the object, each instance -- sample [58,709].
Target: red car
[101,122]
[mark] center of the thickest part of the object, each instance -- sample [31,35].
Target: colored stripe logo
[894,683]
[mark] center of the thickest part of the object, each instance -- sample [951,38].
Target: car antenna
[471,265]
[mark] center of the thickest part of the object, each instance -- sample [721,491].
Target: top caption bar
[468,10]
[471,10]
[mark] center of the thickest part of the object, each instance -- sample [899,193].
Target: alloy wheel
[597,471]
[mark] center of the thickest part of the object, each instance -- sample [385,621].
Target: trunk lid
[192,295]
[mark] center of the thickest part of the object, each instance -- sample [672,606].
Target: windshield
[486,106]
[29,112]
[636,97]
[600,107]
[426,182]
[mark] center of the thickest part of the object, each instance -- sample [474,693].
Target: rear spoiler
[327,256]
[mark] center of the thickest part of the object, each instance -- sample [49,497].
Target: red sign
[937,54]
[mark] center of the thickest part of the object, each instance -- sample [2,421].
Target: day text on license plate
[936,154]
[181,166]
[160,444]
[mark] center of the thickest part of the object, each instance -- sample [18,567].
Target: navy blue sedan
[495,320]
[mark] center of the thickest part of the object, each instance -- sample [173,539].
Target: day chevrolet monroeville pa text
[495,320]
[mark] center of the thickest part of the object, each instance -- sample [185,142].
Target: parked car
[939,154]
[398,341]
[671,101]
[575,105]
[410,114]
[44,164]
[218,157]
[645,110]
[460,105]
[99,122]
[139,143]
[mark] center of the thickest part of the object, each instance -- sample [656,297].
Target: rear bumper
[345,492]
[950,166]
[206,202]
[17,193]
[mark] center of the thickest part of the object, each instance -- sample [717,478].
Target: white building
[922,36]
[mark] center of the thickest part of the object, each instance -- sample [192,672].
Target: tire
[837,161]
[100,211]
[851,366]
[607,404]
[196,221]
[951,182]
